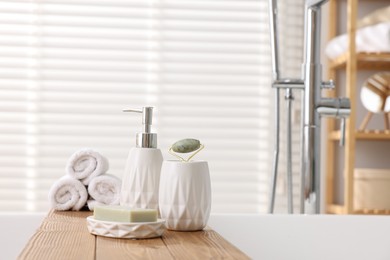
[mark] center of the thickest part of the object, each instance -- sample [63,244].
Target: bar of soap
[124,214]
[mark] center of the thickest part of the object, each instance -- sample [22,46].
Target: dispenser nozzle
[147,115]
[145,139]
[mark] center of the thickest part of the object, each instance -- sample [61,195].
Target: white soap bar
[124,214]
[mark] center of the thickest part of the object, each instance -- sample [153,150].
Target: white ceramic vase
[185,195]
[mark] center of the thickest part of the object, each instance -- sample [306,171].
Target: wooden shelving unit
[365,61]
[351,62]
[363,135]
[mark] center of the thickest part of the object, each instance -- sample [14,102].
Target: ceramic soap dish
[135,230]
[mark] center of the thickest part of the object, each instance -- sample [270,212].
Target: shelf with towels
[364,61]
[351,62]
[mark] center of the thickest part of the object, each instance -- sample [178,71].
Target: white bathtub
[263,237]
[311,237]
[15,231]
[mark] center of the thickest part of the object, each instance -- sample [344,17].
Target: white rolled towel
[86,164]
[104,190]
[68,193]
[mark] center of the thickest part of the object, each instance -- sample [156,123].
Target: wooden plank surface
[206,244]
[113,248]
[64,235]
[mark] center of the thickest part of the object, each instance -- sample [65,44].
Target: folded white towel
[374,38]
[86,164]
[68,194]
[105,189]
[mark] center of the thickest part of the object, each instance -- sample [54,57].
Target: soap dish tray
[134,230]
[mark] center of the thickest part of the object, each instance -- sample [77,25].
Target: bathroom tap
[336,107]
[312,108]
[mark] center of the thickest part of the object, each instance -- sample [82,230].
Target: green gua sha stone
[186,146]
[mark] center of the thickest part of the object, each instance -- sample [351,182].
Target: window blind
[68,68]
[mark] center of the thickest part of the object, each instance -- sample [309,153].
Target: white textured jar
[185,195]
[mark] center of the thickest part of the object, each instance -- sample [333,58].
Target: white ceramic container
[185,195]
[142,178]
[125,229]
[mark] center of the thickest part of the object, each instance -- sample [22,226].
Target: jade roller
[186,146]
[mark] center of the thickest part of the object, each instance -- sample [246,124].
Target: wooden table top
[64,235]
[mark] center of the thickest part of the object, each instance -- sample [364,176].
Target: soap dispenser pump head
[146,139]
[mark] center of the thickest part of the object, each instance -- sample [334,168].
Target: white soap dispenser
[141,179]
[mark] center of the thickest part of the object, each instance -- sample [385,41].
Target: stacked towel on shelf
[68,193]
[104,190]
[86,164]
[86,183]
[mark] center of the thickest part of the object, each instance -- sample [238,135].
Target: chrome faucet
[312,108]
